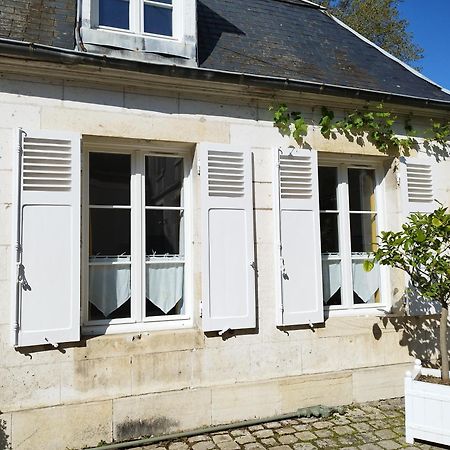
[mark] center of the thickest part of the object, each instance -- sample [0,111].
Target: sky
[429,21]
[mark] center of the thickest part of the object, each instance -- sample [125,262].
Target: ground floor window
[136,237]
[349,217]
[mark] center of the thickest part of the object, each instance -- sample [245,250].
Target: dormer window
[145,27]
[138,16]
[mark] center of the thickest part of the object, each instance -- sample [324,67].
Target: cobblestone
[369,426]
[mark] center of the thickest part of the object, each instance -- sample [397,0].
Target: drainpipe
[78,41]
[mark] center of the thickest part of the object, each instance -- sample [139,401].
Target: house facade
[168,260]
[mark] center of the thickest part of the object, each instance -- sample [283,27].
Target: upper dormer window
[138,16]
[144,27]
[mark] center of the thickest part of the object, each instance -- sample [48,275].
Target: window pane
[109,179]
[163,181]
[164,287]
[366,285]
[109,232]
[114,13]
[329,232]
[328,188]
[363,229]
[331,281]
[164,232]
[361,187]
[157,20]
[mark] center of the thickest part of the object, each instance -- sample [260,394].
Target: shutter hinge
[201,309]
[198,166]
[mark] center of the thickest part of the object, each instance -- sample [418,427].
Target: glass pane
[331,281]
[109,288]
[157,20]
[114,13]
[163,181]
[109,179]
[164,287]
[328,188]
[366,285]
[361,188]
[164,233]
[363,229]
[109,232]
[329,235]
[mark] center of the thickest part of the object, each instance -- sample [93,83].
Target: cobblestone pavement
[368,426]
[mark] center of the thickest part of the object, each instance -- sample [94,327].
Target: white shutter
[298,264]
[47,236]
[416,175]
[228,267]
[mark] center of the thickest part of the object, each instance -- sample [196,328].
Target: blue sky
[429,21]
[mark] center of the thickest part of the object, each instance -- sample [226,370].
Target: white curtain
[164,284]
[365,284]
[331,274]
[109,284]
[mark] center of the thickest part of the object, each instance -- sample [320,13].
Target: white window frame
[138,153]
[182,43]
[347,306]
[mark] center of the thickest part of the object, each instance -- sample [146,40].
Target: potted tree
[422,250]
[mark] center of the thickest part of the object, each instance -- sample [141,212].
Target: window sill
[372,311]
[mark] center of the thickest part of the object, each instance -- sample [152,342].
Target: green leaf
[368,265]
[436,222]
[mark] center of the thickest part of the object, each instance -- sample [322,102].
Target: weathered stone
[385,434]
[389,444]
[200,437]
[370,447]
[203,445]
[254,446]
[273,425]
[304,446]
[322,424]
[326,443]
[362,426]
[343,429]
[256,428]
[228,445]
[323,433]
[222,438]
[288,439]
[178,446]
[263,434]
[269,442]
[245,439]
[286,430]
[238,432]
[306,436]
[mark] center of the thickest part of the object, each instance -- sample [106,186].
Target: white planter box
[427,408]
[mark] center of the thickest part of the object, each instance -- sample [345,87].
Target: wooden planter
[427,407]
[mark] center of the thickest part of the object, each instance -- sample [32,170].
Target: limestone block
[203,108]
[5,263]
[5,223]
[263,164]
[5,187]
[157,414]
[5,430]
[263,196]
[29,386]
[379,382]
[145,102]
[323,355]
[56,428]
[96,379]
[5,304]
[325,389]
[161,372]
[245,401]
[257,136]
[14,115]
[340,144]
[86,94]
[38,90]
[6,148]
[396,350]
[264,226]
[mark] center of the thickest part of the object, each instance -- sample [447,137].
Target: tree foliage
[380,22]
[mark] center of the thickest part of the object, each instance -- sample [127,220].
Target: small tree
[422,250]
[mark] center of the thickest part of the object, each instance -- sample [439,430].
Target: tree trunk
[443,342]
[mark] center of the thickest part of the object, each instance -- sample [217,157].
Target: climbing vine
[377,125]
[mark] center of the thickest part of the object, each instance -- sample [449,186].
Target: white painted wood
[296,207]
[416,175]
[47,282]
[427,408]
[228,276]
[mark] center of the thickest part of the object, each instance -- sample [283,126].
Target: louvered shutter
[417,185]
[47,235]
[228,274]
[298,274]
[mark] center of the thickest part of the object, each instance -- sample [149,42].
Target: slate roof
[275,38]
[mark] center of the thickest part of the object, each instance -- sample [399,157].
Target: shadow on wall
[4,444]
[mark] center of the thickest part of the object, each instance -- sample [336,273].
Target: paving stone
[288,422]
[269,442]
[238,432]
[229,445]
[378,424]
[369,447]
[263,434]
[385,434]
[281,447]
[221,438]
[254,446]
[273,425]
[303,427]
[326,443]
[340,420]
[356,413]
[286,430]
[200,437]
[362,426]
[348,440]
[178,446]
[304,446]
[344,429]
[323,424]
[306,436]
[288,439]
[245,439]
[323,433]
[367,437]
[399,430]
[256,428]
[204,445]
[389,444]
